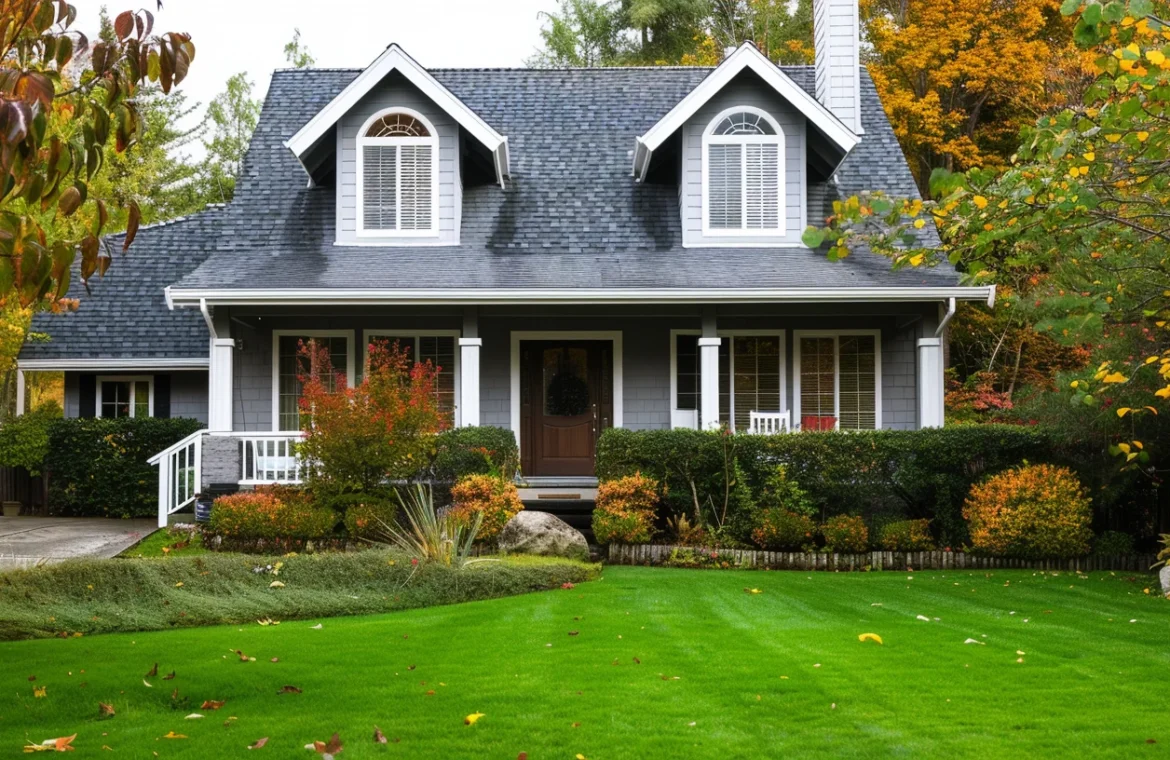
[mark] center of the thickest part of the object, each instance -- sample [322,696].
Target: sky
[231,36]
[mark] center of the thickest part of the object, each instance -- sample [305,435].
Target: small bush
[464,451]
[906,536]
[782,529]
[24,440]
[781,491]
[367,516]
[1031,512]
[845,534]
[264,514]
[493,497]
[625,510]
[1113,543]
[687,533]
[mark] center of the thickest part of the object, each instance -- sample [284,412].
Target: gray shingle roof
[571,217]
[125,316]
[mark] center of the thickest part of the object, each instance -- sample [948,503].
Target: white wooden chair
[769,423]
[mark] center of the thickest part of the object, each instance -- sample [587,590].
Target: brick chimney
[837,38]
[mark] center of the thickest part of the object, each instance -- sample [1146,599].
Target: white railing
[267,458]
[179,475]
[769,423]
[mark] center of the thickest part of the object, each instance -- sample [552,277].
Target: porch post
[930,383]
[469,381]
[709,383]
[219,385]
[20,391]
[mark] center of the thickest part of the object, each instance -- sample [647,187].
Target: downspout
[947,317]
[211,324]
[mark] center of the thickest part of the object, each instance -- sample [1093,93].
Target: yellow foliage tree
[958,78]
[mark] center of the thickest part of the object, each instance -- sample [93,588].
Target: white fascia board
[745,57]
[515,296]
[394,58]
[116,364]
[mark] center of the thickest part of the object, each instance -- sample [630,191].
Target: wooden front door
[566,400]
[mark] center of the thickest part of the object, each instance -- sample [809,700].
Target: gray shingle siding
[188,393]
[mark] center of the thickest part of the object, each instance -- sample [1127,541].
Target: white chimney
[837,38]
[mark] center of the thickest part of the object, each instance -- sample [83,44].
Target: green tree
[583,33]
[297,54]
[232,118]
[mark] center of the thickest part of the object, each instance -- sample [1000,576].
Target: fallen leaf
[975,641]
[62,744]
[32,678]
[327,749]
[212,704]
[173,735]
[276,584]
[379,737]
[105,711]
[147,684]
[574,633]
[1020,652]
[319,627]
[752,591]
[258,743]
[869,637]
[169,676]
[39,691]
[179,584]
[289,690]
[430,693]
[471,719]
[924,617]
[637,661]
[153,672]
[275,659]
[522,756]
[193,716]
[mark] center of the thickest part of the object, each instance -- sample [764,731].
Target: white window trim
[614,336]
[383,332]
[731,367]
[363,141]
[777,139]
[132,379]
[277,335]
[836,334]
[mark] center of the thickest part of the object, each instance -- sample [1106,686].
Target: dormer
[746,142]
[398,148]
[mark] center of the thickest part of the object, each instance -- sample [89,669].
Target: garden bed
[699,557]
[101,596]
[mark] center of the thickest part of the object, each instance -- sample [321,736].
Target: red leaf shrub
[1037,511]
[272,513]
[494,497]
[625,510]
[845,534]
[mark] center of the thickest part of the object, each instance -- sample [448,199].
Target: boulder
[544,534]
[1164,577]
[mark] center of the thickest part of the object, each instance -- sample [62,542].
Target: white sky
[231,36]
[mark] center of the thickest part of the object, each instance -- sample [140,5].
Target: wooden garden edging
[659,554]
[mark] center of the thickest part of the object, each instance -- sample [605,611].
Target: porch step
[574,506]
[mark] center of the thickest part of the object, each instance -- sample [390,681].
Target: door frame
[614,336]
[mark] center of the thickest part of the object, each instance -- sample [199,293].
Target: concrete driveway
[28,541]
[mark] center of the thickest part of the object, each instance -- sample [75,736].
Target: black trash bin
[204,501]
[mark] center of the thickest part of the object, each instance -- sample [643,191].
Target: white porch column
[469,381]
[20,390]
[930,383]
[709,383]
[219,385]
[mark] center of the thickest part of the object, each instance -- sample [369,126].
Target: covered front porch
[558,375]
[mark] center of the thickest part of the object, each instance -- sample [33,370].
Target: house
[576,249]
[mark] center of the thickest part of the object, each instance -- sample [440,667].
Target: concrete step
[576,512]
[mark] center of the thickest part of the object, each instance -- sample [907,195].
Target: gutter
[127,364]
[211,324]
[544,296]
[946,318]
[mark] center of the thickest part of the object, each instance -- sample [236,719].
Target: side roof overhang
[394,58]
[746,57]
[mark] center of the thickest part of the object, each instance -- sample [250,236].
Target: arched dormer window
[398,175]
[743,174]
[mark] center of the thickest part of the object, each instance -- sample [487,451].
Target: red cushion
[817,422]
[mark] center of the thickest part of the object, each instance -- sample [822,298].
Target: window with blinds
[291,364]
[743,174]
[838,382]
[439,350]
[398,178]
[750,372]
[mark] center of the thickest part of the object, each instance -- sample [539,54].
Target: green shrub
[845,534]
[1031,512]
[271,514]
[781,529]
[464,451]
[98,466]
[1113,543]
[366,516]
[495,498]
[906,536]
[24,440]
[780,491]
[625,509]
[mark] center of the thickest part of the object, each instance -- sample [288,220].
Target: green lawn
[177,543]
[665,663]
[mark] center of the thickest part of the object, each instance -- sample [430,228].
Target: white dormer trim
[431,141]
[746,56]
[394,58]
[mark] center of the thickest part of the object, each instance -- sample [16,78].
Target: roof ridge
[669,67]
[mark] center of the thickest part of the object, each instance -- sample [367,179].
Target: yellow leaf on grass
[173,735]
[1114,377]
[39,691]
[980,201]
[179,584]
[1123,411]
[470,720]
[869,637]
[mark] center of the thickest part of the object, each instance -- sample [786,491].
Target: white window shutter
[379,188]
[762,202]
[858,382]
[415,187]
[725,186]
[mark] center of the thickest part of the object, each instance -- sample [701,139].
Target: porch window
[839,378]
[751,375]
[339,344]
[441,352]
[125,397]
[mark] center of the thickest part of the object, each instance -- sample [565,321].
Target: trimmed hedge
[464,451]
[98,467]
[919,474]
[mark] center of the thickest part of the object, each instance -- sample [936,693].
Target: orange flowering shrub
[264,514]
[625,510]
[494,497]
[906,536]
[845,534]
[781,529]
[1032,512]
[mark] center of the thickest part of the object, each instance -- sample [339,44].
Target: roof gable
[746,58]
[394,58]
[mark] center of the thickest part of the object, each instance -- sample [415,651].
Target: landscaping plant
[365,514]
[274,513]
[476,450]
[625,508]
[780,529]
[845,534]
[906,536]
[494,499]
[1113,543]
[1033,512]
[424,534]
